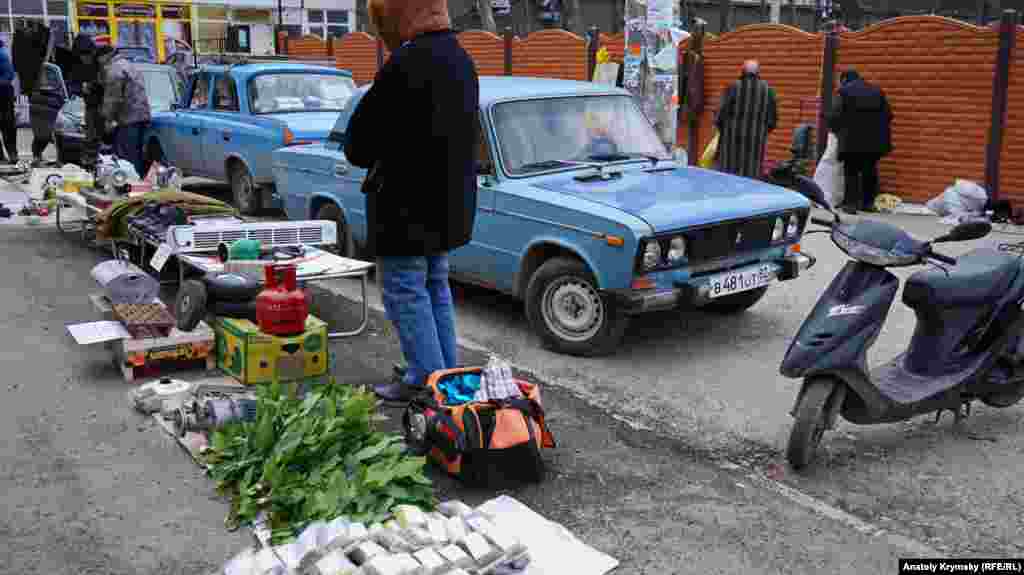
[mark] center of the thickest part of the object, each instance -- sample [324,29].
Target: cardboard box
[253,357]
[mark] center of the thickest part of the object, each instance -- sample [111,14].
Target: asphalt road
[88,486]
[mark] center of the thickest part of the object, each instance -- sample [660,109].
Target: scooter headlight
[793,228]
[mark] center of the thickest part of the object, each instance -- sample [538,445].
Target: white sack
[829,173]
[964,199]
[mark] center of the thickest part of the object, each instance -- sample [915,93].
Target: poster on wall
[653,33]
[659,14]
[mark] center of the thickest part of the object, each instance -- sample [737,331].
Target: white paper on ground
[550,545]
[98,332]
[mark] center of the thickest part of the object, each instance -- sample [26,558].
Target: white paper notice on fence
[98,332]
[553,549]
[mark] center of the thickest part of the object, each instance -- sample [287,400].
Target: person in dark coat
[747,114]
[8,121]
[862,121]
[419,205]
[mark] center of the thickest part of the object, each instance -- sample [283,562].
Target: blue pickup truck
[231,118]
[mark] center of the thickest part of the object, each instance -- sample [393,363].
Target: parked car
[582,213]
[234,116]
[163,87]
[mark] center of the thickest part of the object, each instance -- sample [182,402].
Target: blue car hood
[309,125]
[684,197]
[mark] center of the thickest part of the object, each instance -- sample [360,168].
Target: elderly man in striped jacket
[748,112]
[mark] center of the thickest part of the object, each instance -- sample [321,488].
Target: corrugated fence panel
[357,53]
[616,45]
[487,51]
[551,54]
[1011,173]
[307,47]
[937,74]
[790,63]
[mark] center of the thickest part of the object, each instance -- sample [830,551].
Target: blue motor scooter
[966,344]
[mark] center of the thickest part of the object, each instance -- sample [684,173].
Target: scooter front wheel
[811,421]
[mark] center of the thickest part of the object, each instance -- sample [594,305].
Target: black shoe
[396,391]
[850,210]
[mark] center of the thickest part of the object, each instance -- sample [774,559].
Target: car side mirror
[966,231]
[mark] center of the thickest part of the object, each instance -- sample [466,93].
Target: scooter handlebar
[941,258]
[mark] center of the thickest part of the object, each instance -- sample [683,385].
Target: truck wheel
[810,422]
[246,195]
[736,303]
[345,246]
[564,307]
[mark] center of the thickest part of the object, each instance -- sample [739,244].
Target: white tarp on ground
[963,200]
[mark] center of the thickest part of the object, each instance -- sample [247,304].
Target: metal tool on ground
[212,414]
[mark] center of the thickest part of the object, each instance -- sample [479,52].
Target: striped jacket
[748,111]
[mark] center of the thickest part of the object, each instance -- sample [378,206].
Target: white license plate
[741,280]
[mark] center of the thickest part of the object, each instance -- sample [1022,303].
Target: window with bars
[327,23]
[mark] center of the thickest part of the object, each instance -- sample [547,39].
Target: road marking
[782,490]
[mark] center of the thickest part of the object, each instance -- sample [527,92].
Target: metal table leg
[366,315]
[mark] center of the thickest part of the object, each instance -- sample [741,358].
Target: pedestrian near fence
[748,112]
[862,121]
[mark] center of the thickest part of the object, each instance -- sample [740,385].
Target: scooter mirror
[810,190]
[966,231]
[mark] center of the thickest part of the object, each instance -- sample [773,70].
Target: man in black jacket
[416,130]
[862,122]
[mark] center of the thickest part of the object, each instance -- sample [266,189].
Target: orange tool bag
[480,442]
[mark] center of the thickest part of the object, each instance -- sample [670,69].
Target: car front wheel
[244,192]
[332,213]
[565,307]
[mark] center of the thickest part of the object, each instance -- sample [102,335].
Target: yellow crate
[253,357]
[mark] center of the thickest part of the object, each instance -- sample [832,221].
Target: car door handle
[226,136]
[195,131]
[340,168]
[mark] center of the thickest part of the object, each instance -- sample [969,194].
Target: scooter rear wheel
[810,422]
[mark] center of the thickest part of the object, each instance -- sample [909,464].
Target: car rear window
[299,92]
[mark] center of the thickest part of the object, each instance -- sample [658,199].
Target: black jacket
[419,121]
[862,120]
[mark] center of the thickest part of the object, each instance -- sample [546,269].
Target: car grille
[723,240]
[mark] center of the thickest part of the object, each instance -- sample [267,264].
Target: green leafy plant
[314,458]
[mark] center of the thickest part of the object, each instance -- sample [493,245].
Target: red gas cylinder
[281,308]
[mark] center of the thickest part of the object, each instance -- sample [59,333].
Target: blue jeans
[418,301]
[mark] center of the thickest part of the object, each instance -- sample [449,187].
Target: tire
[190,305]
[243,192]
[231,287]
[345,246]
[736,303]
[810,422]
[568,282]
[1004,399]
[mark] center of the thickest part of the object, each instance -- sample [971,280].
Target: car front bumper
[696,291]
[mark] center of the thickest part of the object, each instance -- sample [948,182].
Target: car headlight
[652,255]
[676,249]
[779,228]
[793,228]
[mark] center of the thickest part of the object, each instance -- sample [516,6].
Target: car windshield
[161,87]
[276,93]
[537,135]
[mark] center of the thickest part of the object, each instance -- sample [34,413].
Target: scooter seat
[980,276]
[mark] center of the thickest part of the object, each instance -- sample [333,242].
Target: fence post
[508,50]
[592,47]
[1000,91]
[828,69]
[723,15]
[380,53]
[694,91]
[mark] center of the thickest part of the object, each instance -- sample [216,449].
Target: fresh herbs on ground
[314,458]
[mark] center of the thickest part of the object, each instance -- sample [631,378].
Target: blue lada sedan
[582,213]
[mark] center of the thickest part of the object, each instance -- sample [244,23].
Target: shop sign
[174,12]
[135,11]
[92,10]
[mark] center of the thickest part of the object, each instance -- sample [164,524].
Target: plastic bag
[964,199]
[707,159]
[829,173]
